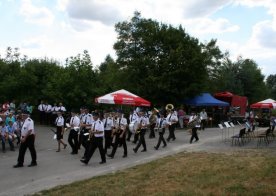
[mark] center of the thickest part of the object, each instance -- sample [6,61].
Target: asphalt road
[57,168]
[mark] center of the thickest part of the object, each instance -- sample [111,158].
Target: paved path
[62,168]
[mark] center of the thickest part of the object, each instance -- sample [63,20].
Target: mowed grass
[241,173]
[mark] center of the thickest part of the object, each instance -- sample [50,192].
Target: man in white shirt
[97,131]
[132,118]
[120,134]
[108,127]
[203,116]
[196,126]
[27,141]
[73,135]
[143,125]
[162,124]
[59,123]
[172,120]
[42,108]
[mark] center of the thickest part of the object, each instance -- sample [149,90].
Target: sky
[59,29]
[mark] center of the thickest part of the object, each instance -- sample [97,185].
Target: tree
[271,85]
[157,60]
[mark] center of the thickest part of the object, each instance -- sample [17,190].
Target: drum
[133,126]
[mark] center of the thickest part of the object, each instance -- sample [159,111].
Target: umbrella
[122,97]
[268,103]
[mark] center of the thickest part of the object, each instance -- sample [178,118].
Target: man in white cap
[27,141]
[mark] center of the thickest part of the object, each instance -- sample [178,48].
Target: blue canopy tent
[205,99]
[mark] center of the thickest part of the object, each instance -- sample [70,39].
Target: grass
[241,173]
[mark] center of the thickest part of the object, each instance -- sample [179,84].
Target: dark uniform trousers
[161,138]
[141,140]
[171,132]
[129,134]
[194,134]
[107,139]
[83,138]
[152,134]
[96,142]
[73,140]
[203,124]
[136,137]
[29,143]
[119,141]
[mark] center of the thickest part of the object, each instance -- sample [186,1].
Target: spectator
[181,114]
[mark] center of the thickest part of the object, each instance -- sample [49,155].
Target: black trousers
[194,134]
[171,132]
[129,134]
[161,138]
[73,140]
[141,140]
[152,134]
[107,139]
[136,137]
[29,143]
[119,141]
[203,124]
[96,142]
[83,139]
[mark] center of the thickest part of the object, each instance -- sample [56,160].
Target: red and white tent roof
[268,103]
[122,97]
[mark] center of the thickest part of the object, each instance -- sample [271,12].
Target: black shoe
[155,148]
[124,156]
[74,153]
[134,142]
[128,140]
[144,150]
[102,162]
[134,150]
[173,139]
[164,145]
[32,164]
[84,161]
[18,165]
[168,140]
[110,156]
[197,140]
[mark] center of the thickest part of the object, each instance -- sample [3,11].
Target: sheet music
[227,125]
[220,126]
[231,124]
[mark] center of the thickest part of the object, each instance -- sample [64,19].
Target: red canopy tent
[233,100]
[268,103]
[123,97]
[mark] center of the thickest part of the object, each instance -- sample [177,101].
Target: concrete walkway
[62,168]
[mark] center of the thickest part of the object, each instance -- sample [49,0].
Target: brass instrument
[193,123]
[169,107]
[91,133]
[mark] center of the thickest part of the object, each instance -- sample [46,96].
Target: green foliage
[271,85]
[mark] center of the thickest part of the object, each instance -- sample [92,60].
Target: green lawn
[241,173]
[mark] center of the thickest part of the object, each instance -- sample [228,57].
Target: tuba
[169,107]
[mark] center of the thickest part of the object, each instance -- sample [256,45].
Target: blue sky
[62,28]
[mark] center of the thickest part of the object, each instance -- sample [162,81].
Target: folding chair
[239,137]
[222,130]
[263,137]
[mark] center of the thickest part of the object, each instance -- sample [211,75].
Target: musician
[42,108]
[85,126]
[27,141]
[143,125]
[108,126]
[196,118]
[153,120]
[74,129]
[60,130]
[172,120]
[48,113]
[97,134]
[120,135]
[132,118]
[162,124]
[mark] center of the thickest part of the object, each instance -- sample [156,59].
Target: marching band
[106,131]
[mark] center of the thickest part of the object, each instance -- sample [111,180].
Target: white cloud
[201,26]
[93,10]
[36,15]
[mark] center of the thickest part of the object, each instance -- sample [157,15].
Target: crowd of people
[105,130]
